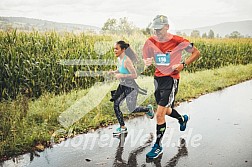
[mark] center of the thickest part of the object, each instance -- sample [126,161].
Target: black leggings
[130,94]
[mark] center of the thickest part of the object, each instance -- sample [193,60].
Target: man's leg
[182,119]
[174,114]
[162,94]
[161,124]
[161,127]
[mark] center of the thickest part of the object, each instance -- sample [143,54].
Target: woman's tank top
[121,67]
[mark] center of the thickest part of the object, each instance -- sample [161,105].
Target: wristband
[184,64]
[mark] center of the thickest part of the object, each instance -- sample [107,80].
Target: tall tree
[147,30]
[125,26]
[184,34]
[119,26]
[211,34]
[195,34]
[204,35]
[179,33]
[110,25]
[235,34]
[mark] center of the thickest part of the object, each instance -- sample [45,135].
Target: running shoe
[150,113]
[120,131]
[155,152]
[183,124]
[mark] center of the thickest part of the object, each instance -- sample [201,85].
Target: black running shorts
[166,89]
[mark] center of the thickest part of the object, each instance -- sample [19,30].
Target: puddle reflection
[182,151]
[132,160]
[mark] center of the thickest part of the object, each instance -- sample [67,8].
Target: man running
[165,50]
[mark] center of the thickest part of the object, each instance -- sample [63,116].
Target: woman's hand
[112,72]
[118,75]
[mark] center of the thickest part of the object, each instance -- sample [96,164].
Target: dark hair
[128,51]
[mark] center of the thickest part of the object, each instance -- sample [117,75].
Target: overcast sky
[181,13]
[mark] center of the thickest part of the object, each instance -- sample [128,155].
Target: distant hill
[29,24]
[243,27]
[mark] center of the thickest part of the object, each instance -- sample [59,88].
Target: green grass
[195,84]
[26,123]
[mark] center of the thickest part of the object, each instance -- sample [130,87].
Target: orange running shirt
[166,54]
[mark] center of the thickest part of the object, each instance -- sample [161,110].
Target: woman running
[128,88]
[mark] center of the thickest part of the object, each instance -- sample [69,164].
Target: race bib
[162,59]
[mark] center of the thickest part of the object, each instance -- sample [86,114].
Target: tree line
[211,34]
[122,25]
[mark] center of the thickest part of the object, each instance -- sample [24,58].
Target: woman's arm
[113,72]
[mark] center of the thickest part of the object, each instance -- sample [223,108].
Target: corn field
[217,53]
[30,62]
